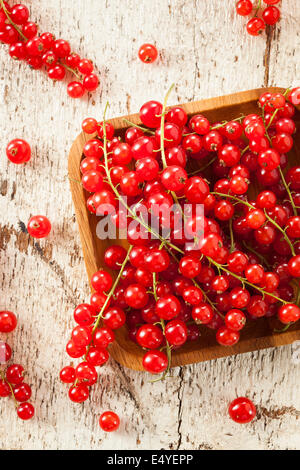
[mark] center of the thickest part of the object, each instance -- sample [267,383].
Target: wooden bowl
[256,335]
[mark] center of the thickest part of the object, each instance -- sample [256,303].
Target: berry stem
[144,129]
[245,281]
[288,191]
[71,70]
[259,255]
[203,167]
[272,221]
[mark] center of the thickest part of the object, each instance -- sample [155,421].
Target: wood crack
[269,32]
[180,397]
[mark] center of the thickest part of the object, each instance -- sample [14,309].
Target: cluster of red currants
[269,15]
[12,379]
[246,264]
[44,50]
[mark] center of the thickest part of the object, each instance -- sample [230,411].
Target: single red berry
[67,375]
[19,14]
[14,374]
[79,393]
[25,411]
[101,281]
[227,337]
[176,332]
[22,392]
[256,26]
[39,226]
[75,89]
[109,421]
[114,318]
[203,313]
[91,82]
[148,53]
[97,356]
[155,362]
[235,319]
[149,336]
[8,321]
[244,7]
[271,15]
[61,48]
[103,337]
[150,114]
[168,307]
[242,410]
[86,373]
[30,30]
[85,66]
[18,151]
[289,313]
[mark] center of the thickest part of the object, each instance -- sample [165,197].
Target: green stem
[203,167]
[287,190]
[260,256]
[71,70]
[144,129]
[245,281]
[272,221]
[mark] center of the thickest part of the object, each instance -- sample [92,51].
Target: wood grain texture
[256,335]
[205,51]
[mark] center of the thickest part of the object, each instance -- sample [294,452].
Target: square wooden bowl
[256,335]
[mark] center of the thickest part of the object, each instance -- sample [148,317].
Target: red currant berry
[255,26]
[176,332]
[75,89]
[67,375]
[14,374]
[114,318]
[18,151]
[168,307]
[289,313]
[39,226]
[86,374]
[149,336]
[242,410]
[103,337]
[22,392]
[227,337]
[97,356]
[244,7]
[8,321]
[148,53]
[155,362]
[271,15]
[25,411]
[19,14]
[109,421]
[79,393]
[91,82]
[235,320]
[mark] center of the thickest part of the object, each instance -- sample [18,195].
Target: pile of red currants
[44,51]
[245,264]
[262,16]
[12,379]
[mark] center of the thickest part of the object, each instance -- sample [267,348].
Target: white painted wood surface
[203,49]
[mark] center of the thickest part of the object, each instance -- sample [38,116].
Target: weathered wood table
[203,49]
